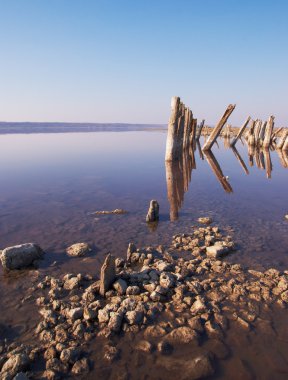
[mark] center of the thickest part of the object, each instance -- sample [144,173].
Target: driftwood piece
[107,275]
[216,131]
[268,132]
[214,165]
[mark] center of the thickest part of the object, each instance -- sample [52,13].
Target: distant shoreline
[58,127]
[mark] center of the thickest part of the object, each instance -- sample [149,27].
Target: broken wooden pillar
[217,129]
[108,274]
[285,145]
[199,131]
[268,132]
[241,131]
[187,128]
[262,133]
[172,129]
[153,212]
[282,139]
[257,131]
[193,131]
[251,136]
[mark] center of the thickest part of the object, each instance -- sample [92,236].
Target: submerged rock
[217,250]
[153,212]
[205,220]
[21,256]
[78,249]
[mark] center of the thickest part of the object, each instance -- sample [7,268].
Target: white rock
[21,256]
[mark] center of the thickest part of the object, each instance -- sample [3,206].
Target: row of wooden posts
[183,131]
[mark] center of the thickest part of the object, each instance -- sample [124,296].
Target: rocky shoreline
[182,294]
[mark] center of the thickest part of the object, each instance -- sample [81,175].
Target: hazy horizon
[121,62]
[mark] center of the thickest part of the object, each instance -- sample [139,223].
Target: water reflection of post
[199,150]
[251,153]
[240,159]
[214,165]
[283,156]
[268,162]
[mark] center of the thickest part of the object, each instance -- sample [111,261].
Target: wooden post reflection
[268,162]
[240,159]
[214,165]
[178,177]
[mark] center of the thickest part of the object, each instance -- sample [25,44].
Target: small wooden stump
[108,274]
[153,212]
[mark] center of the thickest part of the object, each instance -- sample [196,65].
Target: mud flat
[163,312]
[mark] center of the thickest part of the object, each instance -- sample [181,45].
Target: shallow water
[52,183]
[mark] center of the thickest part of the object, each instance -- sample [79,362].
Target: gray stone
[21,256]
[167,280]
[131,249]
[75,313]
[78,249]
[133,290]
[16,363]
[69,355]
[217,250]
[153,212]
[120,286]
[108,274]
[198,306]
[182,334]
[144,345]
[134,317]
[81,367]
[205,220]
[115,321]
[71,283]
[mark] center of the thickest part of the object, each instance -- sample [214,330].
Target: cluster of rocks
[182,294]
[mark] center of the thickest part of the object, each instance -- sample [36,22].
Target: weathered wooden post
[251,136]
[214,134]
[257,131]
[187,129]
[282,139]
[262,133]
[268,132]
[193,131]
[172,129]
[198,135]
[285,146]
[241,131]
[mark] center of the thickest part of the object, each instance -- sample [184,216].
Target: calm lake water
[52,183]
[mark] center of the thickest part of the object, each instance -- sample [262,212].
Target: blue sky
[122,60]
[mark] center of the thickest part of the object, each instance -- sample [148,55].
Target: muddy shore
[178,310]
